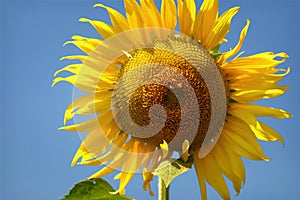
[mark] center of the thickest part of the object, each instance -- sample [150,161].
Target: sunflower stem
[163,191]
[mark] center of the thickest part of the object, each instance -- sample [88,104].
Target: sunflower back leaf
[93,189]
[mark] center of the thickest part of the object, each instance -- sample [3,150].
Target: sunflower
[142,73]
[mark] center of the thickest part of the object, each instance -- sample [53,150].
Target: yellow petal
[236,164]
[93,41]
[137,18]
[244,80]
[118,176]
[84,84]
[238,73]
[254,95]
[266,133]
[74,57]
[91,144]
[243,141]
[199,171]
[74,105]
[152,15]
[168,13]
[213,175]
[115,153]
[78,106]
[221,28]
[92,147]
[238,148]
[103,29]
[85,44]
[118,20]
[264,76]
[134,161]
[247,85]
[73,68]
[223,160]
[263,111]
[94,107]
[165,149]
[185,150]
[257,61]
[82,45]
[205,21]
[148,177]
[250,124]
[104,137]
[236,49]
[186,16]
[124,180]
[104,171]
[134,15]
[101,120]
[79,153]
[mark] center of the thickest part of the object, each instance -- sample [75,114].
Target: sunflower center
[146,96]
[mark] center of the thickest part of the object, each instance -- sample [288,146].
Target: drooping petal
[243,144]
[237,48]
[267,133]
[212,173]
[223,160]
[199,171]
[248,122]
[148,177]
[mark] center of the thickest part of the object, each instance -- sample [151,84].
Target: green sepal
[93,189]
[169,169]
[215,53]
[232,90]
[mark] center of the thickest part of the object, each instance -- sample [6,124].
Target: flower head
[153,89]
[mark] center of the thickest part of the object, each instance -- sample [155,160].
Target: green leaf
[170,169]
[93,189]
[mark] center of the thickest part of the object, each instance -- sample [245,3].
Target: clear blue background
[35,157]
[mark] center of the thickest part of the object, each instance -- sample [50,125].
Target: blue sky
[35,157]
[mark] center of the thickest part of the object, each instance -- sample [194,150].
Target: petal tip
[98,5]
